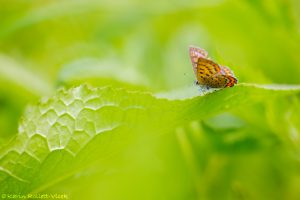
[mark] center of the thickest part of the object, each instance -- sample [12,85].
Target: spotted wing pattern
[209,73]
[229,75]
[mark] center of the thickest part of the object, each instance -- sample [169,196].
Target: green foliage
[87,129]
[122,119]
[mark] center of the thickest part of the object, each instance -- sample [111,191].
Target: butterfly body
[209,73]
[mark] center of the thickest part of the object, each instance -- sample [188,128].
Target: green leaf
[18,86]
[83,127]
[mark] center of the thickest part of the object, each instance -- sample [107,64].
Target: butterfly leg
[202,89]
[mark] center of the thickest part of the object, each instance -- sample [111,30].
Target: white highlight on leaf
[13,175]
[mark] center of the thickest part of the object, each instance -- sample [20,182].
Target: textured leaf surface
[65,134]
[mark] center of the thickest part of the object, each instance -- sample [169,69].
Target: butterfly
[209,73]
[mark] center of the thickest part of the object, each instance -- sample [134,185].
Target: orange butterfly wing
[229,75]
[208,72]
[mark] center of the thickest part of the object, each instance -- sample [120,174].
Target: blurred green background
[143,45]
